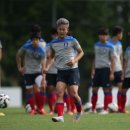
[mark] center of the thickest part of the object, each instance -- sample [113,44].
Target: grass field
[17,119]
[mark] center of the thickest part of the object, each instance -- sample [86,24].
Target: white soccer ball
[113,107]
[28,108]
[4,101]
[87,107]
[99,107]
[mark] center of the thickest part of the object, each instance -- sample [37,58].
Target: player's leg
[125,87]
[73,91]
[29,92]
[51,91]
[95,87]
[51,97]
[67,101]
[60,89]
[40,94]
[94,98]
[118,81]
[106,84]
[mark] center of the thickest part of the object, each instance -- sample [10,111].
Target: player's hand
[92,73]
[111,76]
[71,62]
[43,82]
[21,70]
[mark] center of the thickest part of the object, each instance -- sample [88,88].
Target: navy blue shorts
[70,77]
[101,78]
[51,79]
[126,83]
[29,79]
[117,77]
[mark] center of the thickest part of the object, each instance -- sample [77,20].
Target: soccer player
[32,69]
[51,77]
[1,113]
[67,52]
[37,29]
[103,69]
[117,35]
[126,82]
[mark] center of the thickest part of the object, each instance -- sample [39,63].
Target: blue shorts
[126,83]
[70,77]
[29,79]
[101,78]
[117,77]
[51,79]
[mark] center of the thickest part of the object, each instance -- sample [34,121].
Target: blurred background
[85,16]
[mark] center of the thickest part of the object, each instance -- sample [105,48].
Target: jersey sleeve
[21,51]
[112,52]
[76,44]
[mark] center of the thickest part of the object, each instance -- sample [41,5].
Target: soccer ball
[99,107]
[28,108]
[87,107]
[4,101]
[112,107]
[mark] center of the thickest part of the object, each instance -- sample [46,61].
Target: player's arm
[19,62]
[44,71]
[74,60]
[112,67]
[50,58]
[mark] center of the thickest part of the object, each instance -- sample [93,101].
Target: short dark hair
[53,31]
[35,35]
[35,28]
[116,30]
[103,31]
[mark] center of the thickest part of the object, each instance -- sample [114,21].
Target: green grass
[17,119]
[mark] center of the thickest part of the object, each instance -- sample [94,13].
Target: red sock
[94,101]
[107,100]
[31,100]
[40,99]
[67,101]
[123,102]
[73,107]
[119,100]
[51,101]
[78,106]
[60,108]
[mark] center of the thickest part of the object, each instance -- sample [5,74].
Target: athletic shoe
[33,112]
[42,111]
[104,112]
[91,112]
[51,112]
[70,113]
[77,116]
[2,114]
[124,111]
[58,119]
